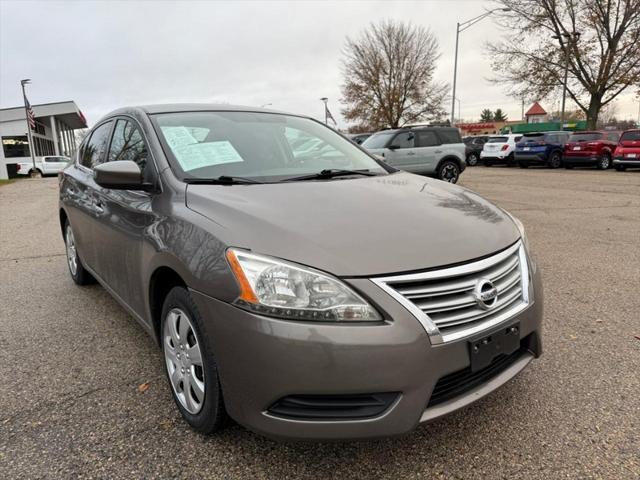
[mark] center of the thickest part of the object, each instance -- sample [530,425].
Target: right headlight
[277,288]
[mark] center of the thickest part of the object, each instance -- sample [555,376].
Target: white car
[500,149]
[49,165]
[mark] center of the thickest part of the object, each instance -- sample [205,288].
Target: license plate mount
[484,349]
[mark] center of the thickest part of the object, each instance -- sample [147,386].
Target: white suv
[500,149]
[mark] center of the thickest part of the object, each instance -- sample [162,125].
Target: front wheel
[190,365]
[604,162]
[449,171]
[555,160]
[472,159]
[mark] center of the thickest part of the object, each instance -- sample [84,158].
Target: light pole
[326,117]
[459,117]
[24,82]
[461,27]
[572,39]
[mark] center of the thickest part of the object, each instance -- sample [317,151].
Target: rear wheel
[472,159]
[604,161]
[190,365]
[555,160]
[78,273]
[449,171]
[35,173]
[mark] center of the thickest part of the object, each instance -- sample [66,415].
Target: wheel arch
[63,219]
[162,280]
[453,158]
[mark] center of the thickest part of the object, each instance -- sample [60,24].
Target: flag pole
[26,117]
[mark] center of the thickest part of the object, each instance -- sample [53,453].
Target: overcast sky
[109,54]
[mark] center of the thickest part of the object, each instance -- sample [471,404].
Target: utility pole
[572,39]
[26,117]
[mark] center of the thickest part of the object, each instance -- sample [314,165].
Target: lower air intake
[333,407]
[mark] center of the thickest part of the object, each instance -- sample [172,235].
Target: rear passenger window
[128,144]
[404,140]
[449,136]
[95,149]
[427,139]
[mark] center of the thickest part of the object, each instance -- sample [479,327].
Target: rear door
[427,146]
[125,217]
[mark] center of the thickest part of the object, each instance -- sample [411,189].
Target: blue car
[543,148]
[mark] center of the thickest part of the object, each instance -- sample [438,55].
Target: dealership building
[53,134]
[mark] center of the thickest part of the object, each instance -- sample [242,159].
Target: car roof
[192,107]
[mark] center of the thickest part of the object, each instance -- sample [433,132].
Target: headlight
[281,289]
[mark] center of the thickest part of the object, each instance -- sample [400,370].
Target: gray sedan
[294,282]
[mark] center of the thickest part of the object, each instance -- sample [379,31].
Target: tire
[555,160]
[604,162]
[523,164]
[204,411]
[35,173]
[473,159]
[620,168]
[511,161]
[449,171]
[76,269]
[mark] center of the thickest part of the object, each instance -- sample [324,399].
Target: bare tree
[389,76]
[602,62]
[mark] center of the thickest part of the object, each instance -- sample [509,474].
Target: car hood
[357,226]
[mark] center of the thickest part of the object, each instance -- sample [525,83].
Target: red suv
[590,148]
[628,152]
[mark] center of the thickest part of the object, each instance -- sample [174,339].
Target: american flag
[31,118]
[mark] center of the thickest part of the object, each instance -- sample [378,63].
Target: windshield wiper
[330,173]
[221,180]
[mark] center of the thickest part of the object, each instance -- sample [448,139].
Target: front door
[126,215]
[401,152]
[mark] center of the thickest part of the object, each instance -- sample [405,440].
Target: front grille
[338,407]
[457,383]
[445,299]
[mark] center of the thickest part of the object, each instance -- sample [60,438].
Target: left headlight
[285,290]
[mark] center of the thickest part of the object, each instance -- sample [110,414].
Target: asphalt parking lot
[72,361]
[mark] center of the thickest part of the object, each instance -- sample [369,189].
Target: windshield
[378,140]
[497,140]
[585,137]
[260,146]
[630,136]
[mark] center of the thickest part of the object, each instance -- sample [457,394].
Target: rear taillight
[504,147]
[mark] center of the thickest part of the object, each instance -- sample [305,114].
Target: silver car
[435,151]
[294,282]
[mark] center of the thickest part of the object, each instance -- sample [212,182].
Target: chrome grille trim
[446,309]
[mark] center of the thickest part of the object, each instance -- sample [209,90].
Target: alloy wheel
[603,163]
[183,358]
[72,253]
[449,173]
[472,160]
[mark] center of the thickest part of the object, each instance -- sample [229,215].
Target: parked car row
[602,149]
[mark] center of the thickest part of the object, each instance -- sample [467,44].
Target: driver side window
[127,144]
[404,140]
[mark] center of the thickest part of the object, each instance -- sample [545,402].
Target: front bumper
[261,360]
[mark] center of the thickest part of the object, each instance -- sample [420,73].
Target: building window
[15,147]
[39,128]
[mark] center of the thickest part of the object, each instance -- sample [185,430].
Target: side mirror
[120,175]
[393,147]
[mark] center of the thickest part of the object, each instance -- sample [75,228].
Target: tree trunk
[593,111]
